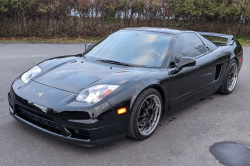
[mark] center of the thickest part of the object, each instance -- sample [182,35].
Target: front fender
[129,91]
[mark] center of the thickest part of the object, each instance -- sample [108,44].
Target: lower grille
[49,124]
[44,122]
[79,134]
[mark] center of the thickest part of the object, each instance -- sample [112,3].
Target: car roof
[161,30]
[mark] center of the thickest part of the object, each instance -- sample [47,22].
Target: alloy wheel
[232,77]
[149,115]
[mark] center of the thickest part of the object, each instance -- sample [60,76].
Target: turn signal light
[240,60]
[121,111]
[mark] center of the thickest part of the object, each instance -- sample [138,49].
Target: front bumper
[82,142]
[87,132]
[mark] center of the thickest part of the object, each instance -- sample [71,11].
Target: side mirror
[88,46]
[185,62]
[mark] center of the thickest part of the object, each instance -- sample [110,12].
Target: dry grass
[51,40]
[243,41]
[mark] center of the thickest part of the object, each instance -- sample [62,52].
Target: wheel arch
[157,87]
[223,88]
[234,58]
[237,62]
[163,96]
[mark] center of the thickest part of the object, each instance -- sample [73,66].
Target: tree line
[98,18]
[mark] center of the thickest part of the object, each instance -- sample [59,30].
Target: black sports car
[122,85]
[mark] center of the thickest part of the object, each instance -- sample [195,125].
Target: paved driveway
[183,138]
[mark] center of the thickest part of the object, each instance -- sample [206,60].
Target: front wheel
[231,78]
[145,115]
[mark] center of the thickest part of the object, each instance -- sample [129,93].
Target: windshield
[132,47]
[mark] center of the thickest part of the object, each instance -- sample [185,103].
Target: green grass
[243,41]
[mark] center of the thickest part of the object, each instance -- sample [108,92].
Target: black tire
[138,107]
[224,89]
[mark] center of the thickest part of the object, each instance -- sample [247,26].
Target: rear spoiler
[230,38]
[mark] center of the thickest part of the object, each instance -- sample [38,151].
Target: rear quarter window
[209,44]
[218,41]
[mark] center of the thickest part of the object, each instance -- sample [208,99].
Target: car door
[191,83]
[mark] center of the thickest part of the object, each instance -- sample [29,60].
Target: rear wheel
[145,114]
[231,78]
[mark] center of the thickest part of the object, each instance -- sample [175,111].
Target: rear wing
[230,38]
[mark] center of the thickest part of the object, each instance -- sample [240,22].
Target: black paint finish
[62,78]
[231,153]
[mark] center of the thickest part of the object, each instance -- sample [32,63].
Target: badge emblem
[39,94]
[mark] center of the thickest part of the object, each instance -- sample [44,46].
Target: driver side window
[188,45]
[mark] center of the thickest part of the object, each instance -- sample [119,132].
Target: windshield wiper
[119,63]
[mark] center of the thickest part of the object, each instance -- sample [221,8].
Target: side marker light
[121,111]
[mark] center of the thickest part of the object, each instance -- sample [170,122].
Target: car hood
[76,74]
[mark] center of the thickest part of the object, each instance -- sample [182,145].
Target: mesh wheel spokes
[232,77]
[149,115]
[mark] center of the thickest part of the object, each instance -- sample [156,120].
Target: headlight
[96,93]
[30,74]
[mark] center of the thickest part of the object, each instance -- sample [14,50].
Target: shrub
[71,18]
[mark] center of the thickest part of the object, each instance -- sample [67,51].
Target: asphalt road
[183,138]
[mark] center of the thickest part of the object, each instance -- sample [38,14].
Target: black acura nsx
[122,85]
